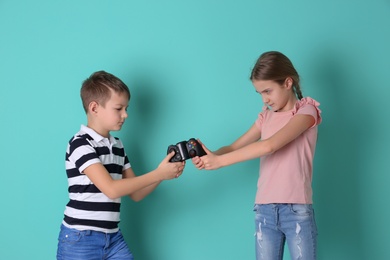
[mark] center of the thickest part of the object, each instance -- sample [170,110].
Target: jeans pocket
[302,209]
[69,236]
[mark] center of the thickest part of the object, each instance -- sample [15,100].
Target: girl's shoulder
[308,105]
[306,101]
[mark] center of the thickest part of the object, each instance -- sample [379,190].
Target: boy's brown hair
[98,88]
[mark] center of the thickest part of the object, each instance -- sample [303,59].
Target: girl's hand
[211,161]
[170,170]
[208,161]
[196,160]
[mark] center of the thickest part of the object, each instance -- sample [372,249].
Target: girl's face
[277,97]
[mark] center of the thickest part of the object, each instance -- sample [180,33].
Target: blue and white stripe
[88,208]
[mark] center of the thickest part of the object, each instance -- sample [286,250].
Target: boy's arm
[142,193]
[99,176]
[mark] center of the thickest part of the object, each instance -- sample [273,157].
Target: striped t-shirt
[88,208]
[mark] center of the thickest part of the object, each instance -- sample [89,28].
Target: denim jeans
[278,223]
[81,245]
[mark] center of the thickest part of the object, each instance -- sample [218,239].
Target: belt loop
[88,232]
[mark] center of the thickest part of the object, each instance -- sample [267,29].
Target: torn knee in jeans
[297,232]
[259,234]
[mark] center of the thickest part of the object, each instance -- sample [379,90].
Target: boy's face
[112,116]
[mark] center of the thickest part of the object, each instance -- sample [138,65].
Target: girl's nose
[265,99]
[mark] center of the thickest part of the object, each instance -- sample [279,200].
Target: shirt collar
[97,137]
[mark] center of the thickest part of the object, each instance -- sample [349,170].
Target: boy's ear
[92,107]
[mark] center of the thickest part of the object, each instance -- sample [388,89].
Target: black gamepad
[185,150]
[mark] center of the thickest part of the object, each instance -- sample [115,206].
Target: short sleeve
[260,118]
[82,154]
[308,106]
[120,150]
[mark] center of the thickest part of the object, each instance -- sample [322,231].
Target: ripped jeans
[278,223]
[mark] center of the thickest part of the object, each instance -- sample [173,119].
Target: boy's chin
[116,128]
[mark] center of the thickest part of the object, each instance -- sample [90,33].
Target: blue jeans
[278,223]
[81,245]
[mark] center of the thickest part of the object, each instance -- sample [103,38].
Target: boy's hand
[170,170]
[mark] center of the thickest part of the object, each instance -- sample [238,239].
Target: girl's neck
[289,104]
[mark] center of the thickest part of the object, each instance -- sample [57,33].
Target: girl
[284,137]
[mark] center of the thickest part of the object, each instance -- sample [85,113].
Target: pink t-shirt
[286,175]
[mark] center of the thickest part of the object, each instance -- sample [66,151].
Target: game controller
[185,150]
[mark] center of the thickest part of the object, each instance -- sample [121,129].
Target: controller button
[192,153]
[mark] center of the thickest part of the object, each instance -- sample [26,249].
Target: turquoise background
[187,65]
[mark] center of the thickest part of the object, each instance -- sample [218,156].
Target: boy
[99,174]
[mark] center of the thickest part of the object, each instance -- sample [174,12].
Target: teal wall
[187,64]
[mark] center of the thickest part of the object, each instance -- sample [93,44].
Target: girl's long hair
[274,65]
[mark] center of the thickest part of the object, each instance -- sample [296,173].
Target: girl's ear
[288,83]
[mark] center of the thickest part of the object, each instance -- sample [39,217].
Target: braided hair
[274,65]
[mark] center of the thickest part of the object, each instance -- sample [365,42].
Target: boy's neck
[98,130]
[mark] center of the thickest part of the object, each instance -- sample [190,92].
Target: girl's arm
[113,189]
[252,135]
[295,127]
